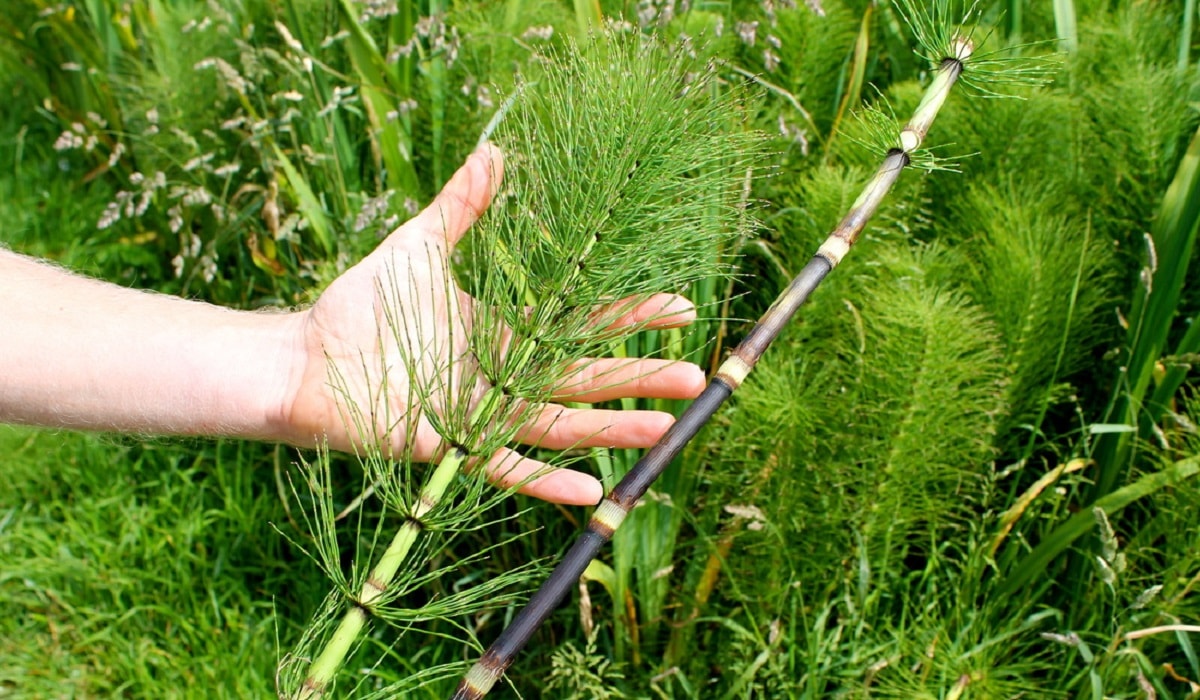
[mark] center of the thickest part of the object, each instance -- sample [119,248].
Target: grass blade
[392,146]
[1065,26]
[587,16]
[1014,12]
[1082,522]
[1155,305]
[309,205]
[858,69]
[1185,35]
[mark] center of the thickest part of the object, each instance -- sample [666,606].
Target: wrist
[269,399]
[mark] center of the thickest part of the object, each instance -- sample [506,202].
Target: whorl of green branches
[927,359]
[624,177]
[899,407]
[1043,277]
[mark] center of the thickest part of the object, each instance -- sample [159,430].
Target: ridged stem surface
[611,512]
[325,667]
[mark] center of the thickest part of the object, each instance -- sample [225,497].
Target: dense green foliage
[968,470]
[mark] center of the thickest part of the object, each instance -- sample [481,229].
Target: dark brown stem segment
[612,511]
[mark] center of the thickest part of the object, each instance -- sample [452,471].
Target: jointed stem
[612,511]
[326,665]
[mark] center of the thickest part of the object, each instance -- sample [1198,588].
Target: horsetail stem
[325,667]
[611,512]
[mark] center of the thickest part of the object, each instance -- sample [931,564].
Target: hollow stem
[322,671]
[611,512]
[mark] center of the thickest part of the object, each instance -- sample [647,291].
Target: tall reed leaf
[1185,35]
[1151,318]
[1065,24]
[852,96]
[380,95]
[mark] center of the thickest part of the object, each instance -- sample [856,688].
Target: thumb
[461,202]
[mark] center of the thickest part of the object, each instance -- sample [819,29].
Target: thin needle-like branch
[612,511]
[544,284]
[325,667]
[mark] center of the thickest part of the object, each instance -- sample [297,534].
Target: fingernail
[678,306]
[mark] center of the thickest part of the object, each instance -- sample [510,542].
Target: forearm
[78,353]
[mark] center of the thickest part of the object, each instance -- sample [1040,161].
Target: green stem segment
[325,667]
[611,512]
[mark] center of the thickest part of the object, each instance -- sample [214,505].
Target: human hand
[345,334]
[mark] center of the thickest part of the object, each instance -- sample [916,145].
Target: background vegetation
[969,470]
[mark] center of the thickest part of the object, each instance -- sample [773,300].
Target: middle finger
[603,379]
[561,428]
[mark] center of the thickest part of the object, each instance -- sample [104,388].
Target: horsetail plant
[622,172]
[953,52]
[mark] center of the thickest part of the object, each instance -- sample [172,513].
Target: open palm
[355,340]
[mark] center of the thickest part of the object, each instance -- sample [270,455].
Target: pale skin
[82,354]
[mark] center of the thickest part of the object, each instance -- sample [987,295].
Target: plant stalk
[609,515]
[325,667]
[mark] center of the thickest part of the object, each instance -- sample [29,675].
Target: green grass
[142,569]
